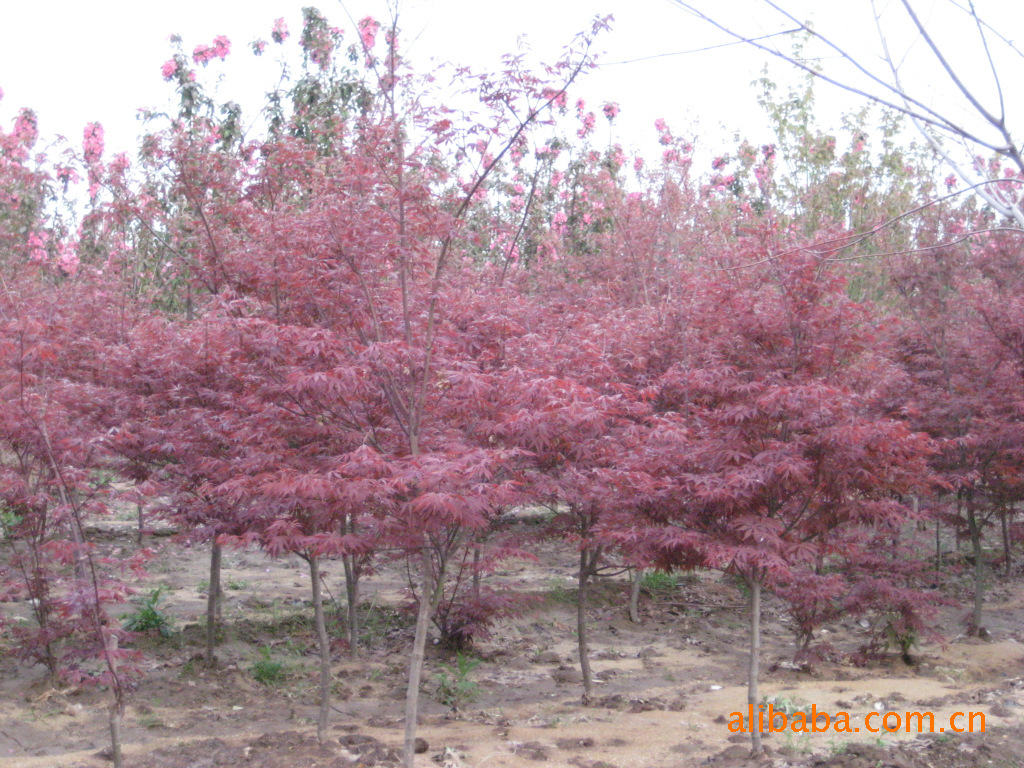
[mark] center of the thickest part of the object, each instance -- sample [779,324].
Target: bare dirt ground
[668,684]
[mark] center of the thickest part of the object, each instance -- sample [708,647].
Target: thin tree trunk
[979,567]
[476,572]
[1005,524]
[938,545]
[634,595]
[351,566]
[325,649]
[114,720]
[581,625]
[141,521]
[213,604]
[419,644]
[753,669]
[116,710]
[352,600]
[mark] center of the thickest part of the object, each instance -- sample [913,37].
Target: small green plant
[151,721]
[786,705]
[148,616]
[900,635]
[454,688]
[836,747]
[560,591]
[659,581]
[268,671]
[801,743]
[235,585]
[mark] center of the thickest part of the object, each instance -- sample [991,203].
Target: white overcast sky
[76,61]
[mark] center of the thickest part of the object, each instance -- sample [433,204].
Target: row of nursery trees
[370,325]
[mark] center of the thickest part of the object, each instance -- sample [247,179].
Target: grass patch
[267,670]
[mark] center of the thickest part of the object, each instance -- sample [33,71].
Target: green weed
[659,581]
[148,616]
[454,688]
[268,671]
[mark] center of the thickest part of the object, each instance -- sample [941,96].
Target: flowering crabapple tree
[963,116]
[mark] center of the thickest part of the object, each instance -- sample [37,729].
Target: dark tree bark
[213,605]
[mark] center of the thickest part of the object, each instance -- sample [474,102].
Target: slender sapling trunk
[419,644]
[352,602]
[1004,522]
[213,604]
[753,668]
[634,595]
[974,530]
[587,558]
[324,646]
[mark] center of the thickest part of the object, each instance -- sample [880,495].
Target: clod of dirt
[420,745]
[531,750]
[584,743]
[547,657]
[635,704]
[564,675]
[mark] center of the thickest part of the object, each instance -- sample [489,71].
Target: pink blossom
[37,244]
[259,46]
[559,218]
[556,97]
[280,31]
[557,177]
[92,142]
[25,127]
[169,69]
[660,125]
[67,259]
[719,162]
[202,54]
[588,125]
[205,53]
[638,164]
[368,28]
[580,106]
[951,182]
[611,110]
[66,174]
[221,46]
